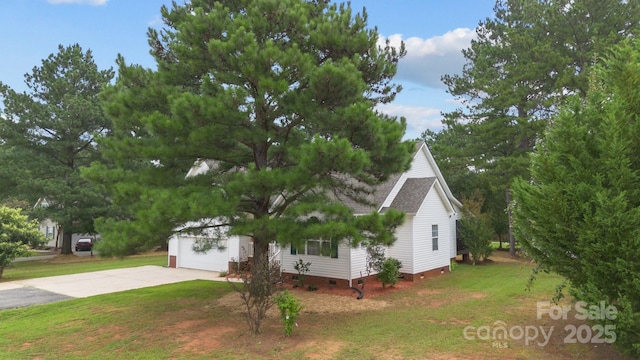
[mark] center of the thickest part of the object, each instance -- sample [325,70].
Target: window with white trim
[434,237]
[317,248]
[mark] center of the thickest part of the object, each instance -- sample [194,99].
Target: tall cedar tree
[278,97]
[50,131]
[579,216]
[523,64]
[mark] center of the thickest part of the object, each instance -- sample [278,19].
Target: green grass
[122,325]
[71,264]
[183,321]
[434,324]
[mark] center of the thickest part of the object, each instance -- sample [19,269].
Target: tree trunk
[66,240]
[260,248]
[512,240]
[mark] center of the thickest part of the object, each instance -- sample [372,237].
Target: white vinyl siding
[431,212]
[452,233]
[402,249]
[420,167]
[320,265]
[358,262]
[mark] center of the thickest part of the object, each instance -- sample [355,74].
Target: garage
[182,248]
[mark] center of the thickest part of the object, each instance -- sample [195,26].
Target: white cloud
[427,60]
[156,21]
[81,2]
[418,118]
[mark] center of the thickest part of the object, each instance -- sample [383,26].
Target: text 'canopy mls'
[279,97]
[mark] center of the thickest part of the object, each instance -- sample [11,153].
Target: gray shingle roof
[376,196]
[412,194]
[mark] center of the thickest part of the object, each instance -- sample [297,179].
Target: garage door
[214,260]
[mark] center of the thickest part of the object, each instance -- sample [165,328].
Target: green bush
[290,308]
[390,272]
[476,236]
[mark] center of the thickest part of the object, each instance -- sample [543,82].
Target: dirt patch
[478,295]
[502,256]
[429,292]
[313,302]
[325,350]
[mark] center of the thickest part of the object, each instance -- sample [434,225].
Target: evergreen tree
[277,97]
[579,216]
[520,69]
[49,135]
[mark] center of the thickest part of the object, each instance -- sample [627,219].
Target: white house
[53,231]
[425,244]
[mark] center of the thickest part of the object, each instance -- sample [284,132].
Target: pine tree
[277,97]
[524,63]
[49,132]
[579,216]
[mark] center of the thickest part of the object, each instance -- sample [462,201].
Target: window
[297,251]
[434,237]
[318,248]
[313,247]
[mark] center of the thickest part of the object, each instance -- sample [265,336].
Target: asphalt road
[25,296]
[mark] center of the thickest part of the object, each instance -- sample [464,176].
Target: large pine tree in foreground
[278,96]
[579,216]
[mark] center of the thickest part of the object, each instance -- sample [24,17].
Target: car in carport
[84,244]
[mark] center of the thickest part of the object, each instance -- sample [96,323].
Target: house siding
[323,266]
[402,249]
[243,249]
[420,167]
[49,229]
[453,232]
[358,262]
[432,212]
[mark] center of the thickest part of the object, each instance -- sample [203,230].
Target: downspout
[178,238]
[349,266]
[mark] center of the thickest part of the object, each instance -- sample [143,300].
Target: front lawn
[72,264]
[193,320]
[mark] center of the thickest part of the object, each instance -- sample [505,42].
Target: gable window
[434,237]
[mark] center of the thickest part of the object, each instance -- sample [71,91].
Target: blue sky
[434,31]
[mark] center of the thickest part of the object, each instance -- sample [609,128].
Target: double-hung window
[317,248]
[434,237]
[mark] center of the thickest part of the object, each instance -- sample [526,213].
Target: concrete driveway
[55,288]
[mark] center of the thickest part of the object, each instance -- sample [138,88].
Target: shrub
[390,272]
[290,308]
[476,236]
[258,290]
[302,268]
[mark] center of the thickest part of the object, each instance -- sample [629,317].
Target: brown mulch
[328,300]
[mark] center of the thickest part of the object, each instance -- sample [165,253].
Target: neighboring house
[425,244]
[53,232]
[47,226]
